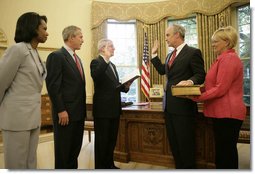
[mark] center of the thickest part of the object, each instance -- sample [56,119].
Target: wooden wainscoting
[46,111]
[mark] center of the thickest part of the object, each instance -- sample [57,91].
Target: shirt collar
[69,50]
[179,48]
[107,61]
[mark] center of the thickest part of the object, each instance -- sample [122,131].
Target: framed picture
[156,92]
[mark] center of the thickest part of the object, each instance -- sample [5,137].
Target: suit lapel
[180,55]
[70,60]
[115,71]
[109,71]
[39,65]
[167,60]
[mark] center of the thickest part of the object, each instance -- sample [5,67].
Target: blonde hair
[227,34]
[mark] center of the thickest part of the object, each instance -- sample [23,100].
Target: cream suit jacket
[21,81]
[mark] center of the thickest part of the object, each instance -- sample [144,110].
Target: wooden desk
[142,138]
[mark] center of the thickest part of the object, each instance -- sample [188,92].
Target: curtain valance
[153,12]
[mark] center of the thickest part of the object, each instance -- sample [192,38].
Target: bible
[186,90]
[130,78]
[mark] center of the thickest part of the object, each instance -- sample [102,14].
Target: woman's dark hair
[27,25]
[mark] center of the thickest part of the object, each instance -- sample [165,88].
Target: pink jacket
[223,96]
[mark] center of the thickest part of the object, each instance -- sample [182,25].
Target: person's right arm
[9,65]
[156,61]
[97,69]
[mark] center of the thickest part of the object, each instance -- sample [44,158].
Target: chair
[244,134]
[89,124]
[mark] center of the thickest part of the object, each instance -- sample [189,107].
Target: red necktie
[78,64]
[170,62]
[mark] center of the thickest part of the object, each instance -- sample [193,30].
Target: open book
[186,90]
[129,78]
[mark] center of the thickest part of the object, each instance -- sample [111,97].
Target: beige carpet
[45,154]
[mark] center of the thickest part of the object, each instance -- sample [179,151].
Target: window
[123,35]
[244,47]
[190,25]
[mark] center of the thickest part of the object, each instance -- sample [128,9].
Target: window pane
[123,35]
[244,47]
[132,94]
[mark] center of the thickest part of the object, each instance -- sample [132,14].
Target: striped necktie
[170,62]
[78,64]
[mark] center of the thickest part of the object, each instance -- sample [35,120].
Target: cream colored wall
[60,13]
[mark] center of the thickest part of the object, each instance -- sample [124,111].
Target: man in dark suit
[106,104]
[183,66]
[66,87]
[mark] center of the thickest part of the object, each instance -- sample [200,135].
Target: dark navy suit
[66,89]
[106,110]
[180,112]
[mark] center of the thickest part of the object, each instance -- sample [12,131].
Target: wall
[60,13]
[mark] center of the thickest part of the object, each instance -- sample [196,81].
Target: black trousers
[68,142]
[226,134]
[181,135]
[106,132]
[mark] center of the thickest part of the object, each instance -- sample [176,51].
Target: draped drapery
[98,33]
[212,23]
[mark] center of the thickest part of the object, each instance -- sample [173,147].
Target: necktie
[170,62]
[78,64]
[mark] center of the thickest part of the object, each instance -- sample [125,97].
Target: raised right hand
[154,49]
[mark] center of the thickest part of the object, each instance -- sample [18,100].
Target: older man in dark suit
[66,87]
[183,66]
[106,104]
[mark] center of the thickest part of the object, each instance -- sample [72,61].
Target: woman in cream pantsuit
[21,77]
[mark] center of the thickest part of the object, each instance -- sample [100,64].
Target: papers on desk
[141,104]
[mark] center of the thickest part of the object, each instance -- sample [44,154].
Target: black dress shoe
[114,167]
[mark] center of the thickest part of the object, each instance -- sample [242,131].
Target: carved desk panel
[142,138]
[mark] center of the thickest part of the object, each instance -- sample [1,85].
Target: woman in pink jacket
[223,97]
